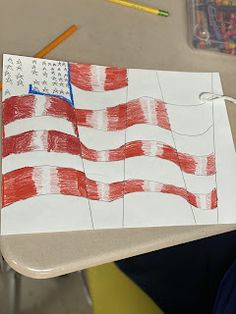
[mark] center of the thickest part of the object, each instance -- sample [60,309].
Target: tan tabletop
[108,35]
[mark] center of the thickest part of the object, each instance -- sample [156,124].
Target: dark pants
[184,279]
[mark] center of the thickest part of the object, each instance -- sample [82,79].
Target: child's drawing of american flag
[108,143]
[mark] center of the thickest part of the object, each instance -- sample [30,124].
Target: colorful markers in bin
[213,25]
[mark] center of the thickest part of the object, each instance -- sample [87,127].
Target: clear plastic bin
[212,25]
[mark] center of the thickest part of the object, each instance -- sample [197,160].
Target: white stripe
[152,148]
[103,155]
[199,184]
[39,139]
[101,119]
[201,165]
[153,169]
[95,101]
[149,132]
[42,180]
[152,186]
[40,105]
[100,140]
[106,172]
[39,123]
[148,107]
[202,201]
[34,159]
[55,189]
[146,168]
[103,191]
[98,76]
[98,119]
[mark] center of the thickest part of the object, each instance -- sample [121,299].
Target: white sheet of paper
[145,189]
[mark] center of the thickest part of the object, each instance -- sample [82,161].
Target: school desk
[107,35]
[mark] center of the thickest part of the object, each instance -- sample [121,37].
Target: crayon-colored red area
[16,144]
[122,116]
[89,77]
[187,163]
[172,189]
[17,107]
[116,190]
[214,199]
[60,108]
[93,189]
[132,186]
[211,166]
[20,184]
[80,76]
[59,142]
[23,107]
[162,115]
[115,78]
[116,117]
[71,182]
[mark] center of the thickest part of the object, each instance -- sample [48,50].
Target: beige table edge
[137,241]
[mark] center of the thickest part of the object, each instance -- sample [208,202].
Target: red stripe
[59,142]
[23,107]
[71,182]
[134,149]
[187,163]
[125,115]
[162,116]
[118,117]
[17,107]
[171,189]
[115,78]
[17,144]
[116,190]
[92,189]
[132,186]
[59,108]
[214,198]
[211,166]
[81,76]
[192,199]
[19,185]
[135,114]
[63,143]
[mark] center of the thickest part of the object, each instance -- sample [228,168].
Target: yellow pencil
[141,7]
[53,44]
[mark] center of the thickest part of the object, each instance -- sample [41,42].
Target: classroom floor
[61,295]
